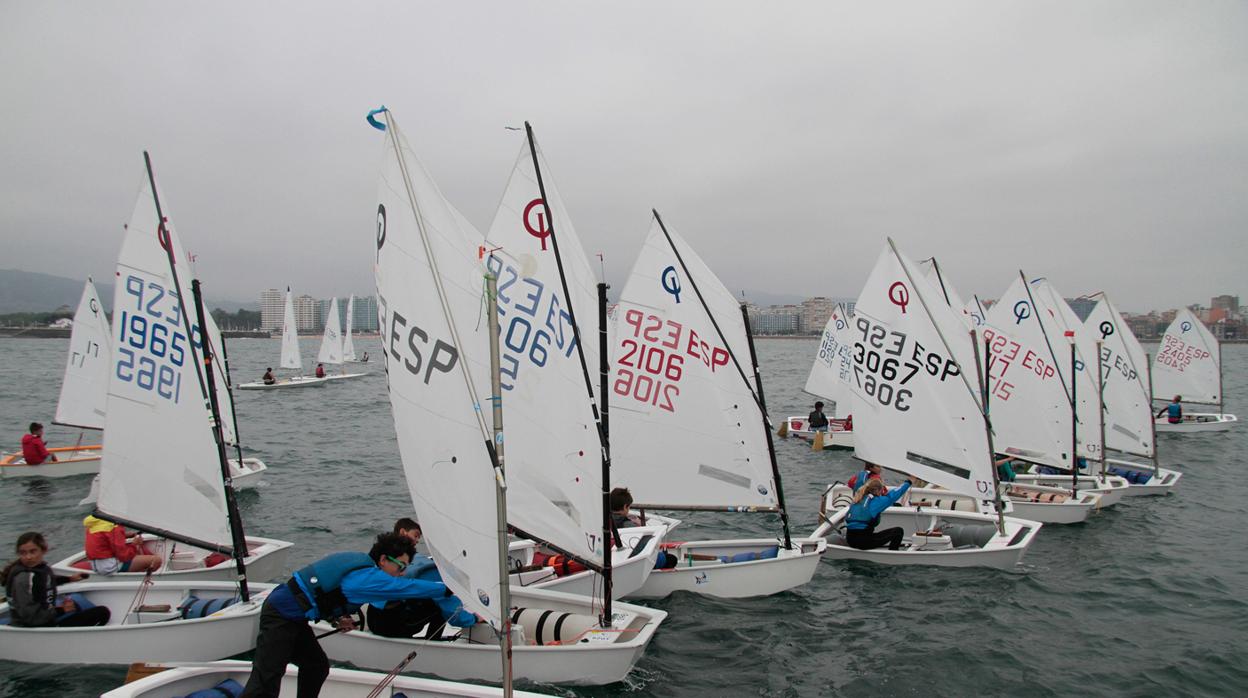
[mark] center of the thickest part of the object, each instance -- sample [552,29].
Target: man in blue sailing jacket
[333,588]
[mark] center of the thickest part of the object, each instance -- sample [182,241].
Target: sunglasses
[398,563]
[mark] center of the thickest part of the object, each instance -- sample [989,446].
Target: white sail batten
[156,400]
[833,368]
[290,336]
[84,389]
[441,434]
[1128,407]
[554,452]
[686,430]
[1030,411]
[1187,362]
[331,340]
[915,407]
[348,346]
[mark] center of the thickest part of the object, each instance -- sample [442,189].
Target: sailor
[320,370]
[109,551]
[817,419]
[870,471]
[34,451]
[864,516]
[332,588]
[1173,411]
[620,500]
[268,376]
[30,587]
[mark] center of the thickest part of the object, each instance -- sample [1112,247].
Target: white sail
[290,336]
[554,453]
[916,403]
[686,429]
[1187,362]
[84,389]
[438,369]
[1027,399]
[160,467]
[331,341]
[830,374]
[975,312]
[935,276]
[225,398]
[1128,407]
[348,347]
[1054,309]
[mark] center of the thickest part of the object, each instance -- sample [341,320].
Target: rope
[385,681]
[140,596]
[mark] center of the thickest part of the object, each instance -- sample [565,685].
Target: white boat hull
[266,560]
[1000,550]
[1159,483]
[72,461]
[295,382]
[835,437]
[604,657]
[1111,489]
[630,566]
[1196,422]
[1071,511]
[341,683]
[792,567]
[345,376]
[156,636]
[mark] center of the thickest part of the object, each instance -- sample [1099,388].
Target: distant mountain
[35,292]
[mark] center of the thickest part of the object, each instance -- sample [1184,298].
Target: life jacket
[1174,413]
[563,565]
[104,539]
[860,518]
[34,452]
[321,583]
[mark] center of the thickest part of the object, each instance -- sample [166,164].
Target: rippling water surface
[1146,599]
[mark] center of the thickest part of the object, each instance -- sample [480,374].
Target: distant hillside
[34,292]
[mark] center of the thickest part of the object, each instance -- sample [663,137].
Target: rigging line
[941,278]
[709,314]
[486,432]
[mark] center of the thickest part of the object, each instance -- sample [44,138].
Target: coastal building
[272,305]
[815,313]
[307,314]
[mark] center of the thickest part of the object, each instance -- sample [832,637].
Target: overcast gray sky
[1101,144]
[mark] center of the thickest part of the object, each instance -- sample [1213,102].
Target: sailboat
[920,409]
[1189,364]
[290,358]
[828,376]
[83,393]
[331,351]
[161,400]
[1041,349]
[444,377]
[348,345]
[689,427]
[1127,421]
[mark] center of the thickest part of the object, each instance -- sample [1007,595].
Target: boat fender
[228,688]
[968,535]
[195,607]
[214,559]
[752,555]
[549,627]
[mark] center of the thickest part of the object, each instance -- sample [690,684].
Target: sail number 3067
[885,360]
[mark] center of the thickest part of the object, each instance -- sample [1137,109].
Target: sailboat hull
[345,376]
[956,538]
[725,578]
[630,567]
[73,460]
[295,382]
[266,560]
[161,636]
[1144,482]
[835,437]
[1112,489]
[1197,422]
[598,658]
[341,683]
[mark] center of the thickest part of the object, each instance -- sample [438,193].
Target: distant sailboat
[331,351]
[290,358]
[829,376]
[1189,364]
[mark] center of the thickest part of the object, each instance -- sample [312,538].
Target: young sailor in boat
[1173,412]
[1005,469]
[406,617]
[320,370]
[34,450]
[817,420]
[333,588]
[870,471]
[31,590]
[621,500]
[864,516]
[268,378]
[365,359]
[108,550]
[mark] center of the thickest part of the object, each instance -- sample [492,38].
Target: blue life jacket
[1174,413]
[321,583]
[860,517]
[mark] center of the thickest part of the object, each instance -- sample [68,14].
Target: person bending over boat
[864,516]
[109,551]
[1173,412]
[406,617]
[34,450]
[621,499]
[31,588]
[870,471]
[817,420]
[332,588]
[268,378]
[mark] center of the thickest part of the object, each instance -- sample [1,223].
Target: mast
[589,385]
[231,504]
[1219,377]
[771,447]
[500,481]
[604,372]
[1152,418]
[1074,419]
[984,382]
[941,278]
[1100,373]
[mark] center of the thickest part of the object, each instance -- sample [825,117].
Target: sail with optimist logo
[84,389]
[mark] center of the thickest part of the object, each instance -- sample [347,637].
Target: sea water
[1147,598]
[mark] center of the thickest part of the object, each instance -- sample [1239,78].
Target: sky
[1101,144]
